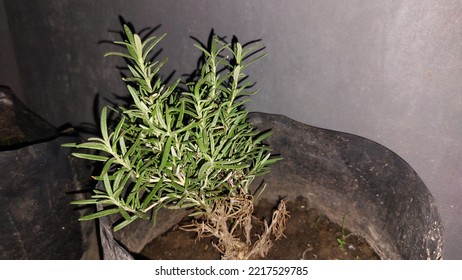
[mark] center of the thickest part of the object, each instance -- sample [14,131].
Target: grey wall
[390,71]
[9,74]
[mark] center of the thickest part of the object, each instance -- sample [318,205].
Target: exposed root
[230,221]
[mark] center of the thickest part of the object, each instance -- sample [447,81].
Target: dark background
[390,71]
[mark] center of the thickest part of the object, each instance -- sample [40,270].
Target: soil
[309,236]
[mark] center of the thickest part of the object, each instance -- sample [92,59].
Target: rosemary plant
[176,148]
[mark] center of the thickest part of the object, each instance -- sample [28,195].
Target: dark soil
[309,236]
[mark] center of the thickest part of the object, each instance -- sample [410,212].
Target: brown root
[230,221]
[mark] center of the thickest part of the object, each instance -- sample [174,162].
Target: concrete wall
[386,70]
[9,74]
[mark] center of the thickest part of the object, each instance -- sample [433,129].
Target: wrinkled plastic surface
[18,125]
[38,181]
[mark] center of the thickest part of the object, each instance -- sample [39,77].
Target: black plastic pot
[38,181]
[387,202]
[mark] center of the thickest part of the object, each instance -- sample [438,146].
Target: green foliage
[342,239]
[177,149]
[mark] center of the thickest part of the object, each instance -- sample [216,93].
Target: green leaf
[107,185]
[238,53]
[160,118]
[90,157]
[119,127]
[128,33]
[107,166]
[151,195]
[120,183]
[152,44]
[136,72]
[119,54]
[124,213]
[134,146]
[96,139]
[138,45]
[134,95]
[159,65]
[204,168]
[125,223]
[99,214]
[166,152]
[103,124]
[188,127]
[232,166]
[123,148]
[212,143]
[85,202]
[202,49]
[69,145]
[262,136]
[194,214]
[94,146]
[129,46]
